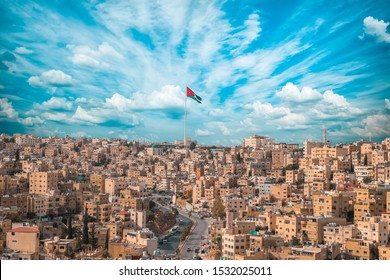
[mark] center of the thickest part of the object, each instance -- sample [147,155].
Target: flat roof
[25,230]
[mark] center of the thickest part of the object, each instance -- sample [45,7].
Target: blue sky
[284,69]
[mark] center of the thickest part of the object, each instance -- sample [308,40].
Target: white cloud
[84,55]
[376,28]
[387,103]
[103,116]
[56,103]
[85,116]
[81,100]
[31,121]
[7,110]
[225,131]
[267,110]
[374,125]
[335,99]
[51,78]
[337,25]
[168,97]
[247,125]
[216,112]
[200,132]
[291,92]
[247,33]
[59,117]
[325,106]
[23,50]
[292,121]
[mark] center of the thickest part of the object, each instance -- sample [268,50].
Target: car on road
[189,249]
[196,257]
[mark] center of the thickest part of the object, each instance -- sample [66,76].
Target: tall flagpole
[185,122]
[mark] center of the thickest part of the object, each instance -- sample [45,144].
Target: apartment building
[43,182]
[234,244]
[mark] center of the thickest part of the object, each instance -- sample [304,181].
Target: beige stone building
[288,227]
[339,233]
[359,249]
[331,205]
[373,229]
[234,244]
[143,237]
[43,182]
[313,227]
[384,252]
[24,240]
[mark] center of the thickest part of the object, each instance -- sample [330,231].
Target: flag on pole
[192,95]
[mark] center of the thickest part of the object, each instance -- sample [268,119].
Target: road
[173,240]
[194,240]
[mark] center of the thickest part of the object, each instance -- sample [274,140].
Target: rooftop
[25,230]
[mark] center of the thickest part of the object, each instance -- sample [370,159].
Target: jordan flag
[192,95]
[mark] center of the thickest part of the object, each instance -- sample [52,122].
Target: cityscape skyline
[119,69]
[179,142]
[94,199]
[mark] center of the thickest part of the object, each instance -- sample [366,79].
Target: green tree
[192,146]
[366,180]
[85,240]
[152,204]
[69,224]
[295,241]
[186,231]
[17,155]
[14,217]
[93,239]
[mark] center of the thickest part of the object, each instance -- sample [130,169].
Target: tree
[85,240]
[14,217]
[152,204]
[31,215]
[295,241]
[185,232]
[93,239]
[239,159]
[70,230]
[17,155]
[365,161]
[192,146]
[366,180]
[107,241]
